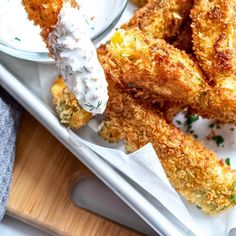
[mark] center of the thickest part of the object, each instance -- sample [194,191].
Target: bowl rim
[43,57]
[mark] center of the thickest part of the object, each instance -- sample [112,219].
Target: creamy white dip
[17,31]
[77,60]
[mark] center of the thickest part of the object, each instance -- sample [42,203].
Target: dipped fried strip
[161,18]
[214,35]
[192,169]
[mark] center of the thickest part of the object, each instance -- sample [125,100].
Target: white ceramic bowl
[106,12]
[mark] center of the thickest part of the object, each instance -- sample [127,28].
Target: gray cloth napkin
[10,112]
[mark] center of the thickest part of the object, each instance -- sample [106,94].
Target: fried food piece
[214,35]
[44,13]
[157,72]
[217,103]
[214,41]
[192,169]
[141,62]
[161,18]
[67,107]
[140,3]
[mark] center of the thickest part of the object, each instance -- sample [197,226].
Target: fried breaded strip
[157,72]
[214,35]
[141,62]
[216,103]
[67,107]
[161,18]
[192,169]
[214,41]
[44,13]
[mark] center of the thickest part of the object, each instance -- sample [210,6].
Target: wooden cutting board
[44,173]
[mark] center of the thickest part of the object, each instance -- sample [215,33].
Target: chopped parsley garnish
[233,197]
[218,139]
[178,122]
[90,106]
[198,207]
[16,38]
[234,184]
[195,136]
[227,161]
[189,128]
[191,119]
[99,104]
[93,107]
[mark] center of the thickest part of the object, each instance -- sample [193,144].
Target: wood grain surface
[44,172]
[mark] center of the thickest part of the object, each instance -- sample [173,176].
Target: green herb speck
[99,104]
[233,197]
[189,128]
[195,136]
[234,184]
[16,38]
[218,139]
[227,161]
[191,119]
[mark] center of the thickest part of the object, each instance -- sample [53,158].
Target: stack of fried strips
[172,54]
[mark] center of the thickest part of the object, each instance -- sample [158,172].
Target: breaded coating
[161,18]
[67,107]
[214,35]
[139,3]
[157,72]
[44,13]
[141,62]
[216,103]
[192,169]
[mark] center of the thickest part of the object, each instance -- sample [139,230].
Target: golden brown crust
[67,107]
[160,70]
[193,170]
[214,34]
[216,103]
[44,13]
[161,18]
